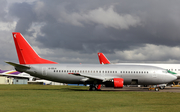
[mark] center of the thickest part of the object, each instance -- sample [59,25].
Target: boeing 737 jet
[94,74]
[173,68]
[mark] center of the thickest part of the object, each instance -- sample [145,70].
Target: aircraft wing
[13,73]
[93,77]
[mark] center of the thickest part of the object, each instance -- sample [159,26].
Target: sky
[74,31]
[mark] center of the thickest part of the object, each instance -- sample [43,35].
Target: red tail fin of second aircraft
[103,59]
[26,53]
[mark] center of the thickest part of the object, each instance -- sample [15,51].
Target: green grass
[37,98]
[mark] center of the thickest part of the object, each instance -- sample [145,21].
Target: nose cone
[178,76]
[170,78]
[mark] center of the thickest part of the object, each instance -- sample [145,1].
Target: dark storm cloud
[76,26]
[24,12]
[3,13]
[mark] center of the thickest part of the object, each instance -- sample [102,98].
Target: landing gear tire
[162,87]
[156,89]
[92,88]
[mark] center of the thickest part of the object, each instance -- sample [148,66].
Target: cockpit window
[171,72]
[165,71]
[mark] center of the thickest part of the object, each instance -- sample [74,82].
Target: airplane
[173,68]
[94,74]
[16,74]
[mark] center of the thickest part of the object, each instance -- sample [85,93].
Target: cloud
[107,17]
[74,31]
[150,53]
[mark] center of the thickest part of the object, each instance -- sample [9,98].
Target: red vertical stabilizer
[26,53]
[103,59]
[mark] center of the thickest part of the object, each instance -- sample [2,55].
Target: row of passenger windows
[84,71]
[93,71]
[174,69]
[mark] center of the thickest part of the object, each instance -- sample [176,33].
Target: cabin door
[154,75]
[44,71]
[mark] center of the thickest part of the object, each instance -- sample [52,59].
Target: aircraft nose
[171,78]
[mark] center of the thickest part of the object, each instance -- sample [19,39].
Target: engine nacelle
[116,83]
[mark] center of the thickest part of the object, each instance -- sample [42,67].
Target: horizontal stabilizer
[18,65]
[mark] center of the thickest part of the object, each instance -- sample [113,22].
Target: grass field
[42,98]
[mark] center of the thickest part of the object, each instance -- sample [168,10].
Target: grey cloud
[3,12]
[70,25]
[23,11]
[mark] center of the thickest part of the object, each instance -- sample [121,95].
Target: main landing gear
[94,87]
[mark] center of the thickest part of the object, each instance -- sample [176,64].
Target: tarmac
[142,89]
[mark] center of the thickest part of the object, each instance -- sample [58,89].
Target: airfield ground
[38,98]
[143,89]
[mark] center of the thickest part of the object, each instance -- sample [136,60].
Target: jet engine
[116,83]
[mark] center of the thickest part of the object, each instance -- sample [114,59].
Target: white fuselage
[93,73]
